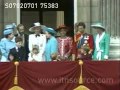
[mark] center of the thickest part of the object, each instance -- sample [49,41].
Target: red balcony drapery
[104,75]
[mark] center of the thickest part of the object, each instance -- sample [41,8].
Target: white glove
[105,56]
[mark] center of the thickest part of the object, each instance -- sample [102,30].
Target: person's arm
[91,44]
[70,47]
[24,54]
[11,56]
[30,43]
[3,49]
[58,55]
[30,58]
[0,51]
[107,45]
[44,44]
[73,57]
[54,47]
[74,50]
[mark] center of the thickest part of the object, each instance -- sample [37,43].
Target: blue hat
[8,31]
[51,30]
[98,25]
[10,26]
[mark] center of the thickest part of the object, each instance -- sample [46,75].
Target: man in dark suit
[17,53]
[21,33]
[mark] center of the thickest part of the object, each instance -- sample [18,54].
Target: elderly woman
[7,44]
[52,44]
[13,27]
[102,42]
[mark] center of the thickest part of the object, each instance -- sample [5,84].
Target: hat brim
[43,27]
[59,29]
[8,31]
[33,28]
[50,31]
[95,26]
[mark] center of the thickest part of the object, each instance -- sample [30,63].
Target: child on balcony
[35,55]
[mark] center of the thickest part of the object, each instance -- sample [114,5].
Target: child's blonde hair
[35,47]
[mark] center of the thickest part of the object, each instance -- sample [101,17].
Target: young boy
[83,53]
[35,55]
[17,53]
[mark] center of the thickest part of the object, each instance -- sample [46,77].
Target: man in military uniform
[80,39]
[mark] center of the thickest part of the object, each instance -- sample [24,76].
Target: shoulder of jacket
[107,34]
[12,49]
[42,34]
[31,35]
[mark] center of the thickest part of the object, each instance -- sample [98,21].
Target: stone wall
[1,17]
[7,15]
[106,12]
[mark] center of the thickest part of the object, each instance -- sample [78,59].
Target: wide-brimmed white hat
[37,24]
[98,25]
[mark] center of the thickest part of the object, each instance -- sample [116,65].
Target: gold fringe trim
[16,78]
[81,86]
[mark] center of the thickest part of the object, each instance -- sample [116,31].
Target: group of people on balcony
[43,45]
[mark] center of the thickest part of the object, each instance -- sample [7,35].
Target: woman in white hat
[37,39]
[102,43]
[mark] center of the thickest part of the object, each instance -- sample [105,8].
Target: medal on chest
[86,37]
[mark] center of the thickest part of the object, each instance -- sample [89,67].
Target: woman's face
[81,29]
[11,36]
[99,30]
[63,32]
[47,34]
[37,30]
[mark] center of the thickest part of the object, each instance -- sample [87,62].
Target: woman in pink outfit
[64,44]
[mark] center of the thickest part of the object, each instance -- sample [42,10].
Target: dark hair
[19,26]
[51,33]
[81,24]
[6,36]
[41,30]
[102,29]
[34,49]
[18,39]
